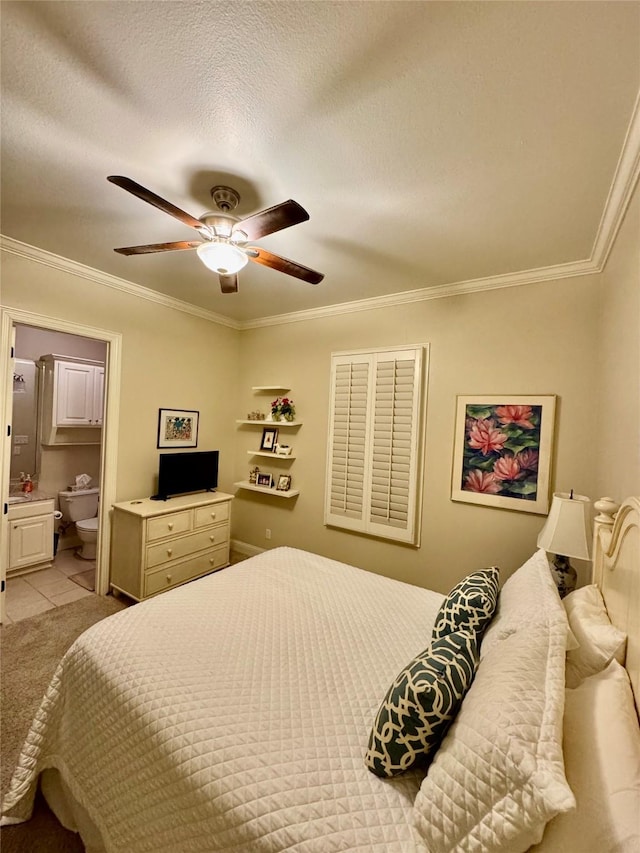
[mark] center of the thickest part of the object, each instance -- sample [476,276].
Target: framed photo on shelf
[265,480]
[502,451]
[177,428]
[284,483]
[269,439]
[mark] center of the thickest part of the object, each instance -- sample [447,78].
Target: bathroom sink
[19,499]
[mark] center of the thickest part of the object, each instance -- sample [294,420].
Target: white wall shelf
[277,390]
[270,455]
[276,424]
[245,484]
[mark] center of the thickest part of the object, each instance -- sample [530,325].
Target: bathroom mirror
[24,421]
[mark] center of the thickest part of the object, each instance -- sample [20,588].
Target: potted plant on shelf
[283,407]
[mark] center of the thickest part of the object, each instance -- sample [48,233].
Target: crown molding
[624,182]
[618,199]
[49,259]
[441,291]
[517,279]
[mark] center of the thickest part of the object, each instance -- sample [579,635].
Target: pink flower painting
[483,482]
[501,450]
[483,436]
[519,415]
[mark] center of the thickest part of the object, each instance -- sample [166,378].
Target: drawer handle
[170,525]
[213,515]
[169,552]
[211,560]
[168,578]
[213,538]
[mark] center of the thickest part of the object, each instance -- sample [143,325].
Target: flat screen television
[182,473]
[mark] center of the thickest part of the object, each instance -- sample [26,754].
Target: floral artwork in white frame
[502,451]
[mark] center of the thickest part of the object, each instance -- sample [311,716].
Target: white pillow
[520,602]
[602,761]
[498,777]
[598,640]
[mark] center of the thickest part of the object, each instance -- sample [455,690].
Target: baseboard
[245,548]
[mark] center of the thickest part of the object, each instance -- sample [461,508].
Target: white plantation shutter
[348,454]
[374,442]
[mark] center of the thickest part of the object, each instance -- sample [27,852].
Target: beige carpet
[31,650]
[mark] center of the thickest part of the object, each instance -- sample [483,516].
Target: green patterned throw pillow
[470,605]
[421,703]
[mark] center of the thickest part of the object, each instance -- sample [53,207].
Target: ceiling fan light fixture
[222,257]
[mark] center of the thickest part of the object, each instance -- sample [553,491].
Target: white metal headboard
[616,571]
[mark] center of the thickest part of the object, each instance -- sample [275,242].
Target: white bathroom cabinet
[78,394]
[72,400]
[30,536]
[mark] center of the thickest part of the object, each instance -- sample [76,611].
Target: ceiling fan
[223,247]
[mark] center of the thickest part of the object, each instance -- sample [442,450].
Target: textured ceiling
[431,142]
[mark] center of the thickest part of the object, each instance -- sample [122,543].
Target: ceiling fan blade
[229,283]
[146,195]
[268,259]
[272,219]
[157,247]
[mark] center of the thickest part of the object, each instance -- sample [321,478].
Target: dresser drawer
[177,548]
[170,577]
[168,525]
[212,514]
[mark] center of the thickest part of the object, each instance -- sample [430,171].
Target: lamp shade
[567,529]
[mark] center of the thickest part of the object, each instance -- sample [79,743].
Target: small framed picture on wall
[177,428]
[265,480]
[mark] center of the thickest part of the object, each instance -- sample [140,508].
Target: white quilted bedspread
[233,713]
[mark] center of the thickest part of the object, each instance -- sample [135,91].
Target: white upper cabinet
[79,391]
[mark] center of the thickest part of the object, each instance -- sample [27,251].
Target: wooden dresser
[157,545]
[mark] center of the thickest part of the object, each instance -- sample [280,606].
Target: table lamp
[566,534]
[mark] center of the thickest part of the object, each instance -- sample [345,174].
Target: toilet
[81,507]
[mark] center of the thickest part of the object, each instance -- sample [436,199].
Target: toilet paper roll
[57,515]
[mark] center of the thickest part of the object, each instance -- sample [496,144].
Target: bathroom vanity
[157,545]
[30,535]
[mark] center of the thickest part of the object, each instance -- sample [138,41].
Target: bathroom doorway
[47,464]
[55,336]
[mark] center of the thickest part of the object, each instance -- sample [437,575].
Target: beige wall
[537,339]
[169,359]
[616,446]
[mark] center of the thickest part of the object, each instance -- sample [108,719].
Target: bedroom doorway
[111,342]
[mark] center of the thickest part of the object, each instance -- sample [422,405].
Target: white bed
[233,713]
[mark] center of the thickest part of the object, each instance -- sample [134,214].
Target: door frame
[10,317]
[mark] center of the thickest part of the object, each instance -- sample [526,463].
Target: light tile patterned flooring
[28,595]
